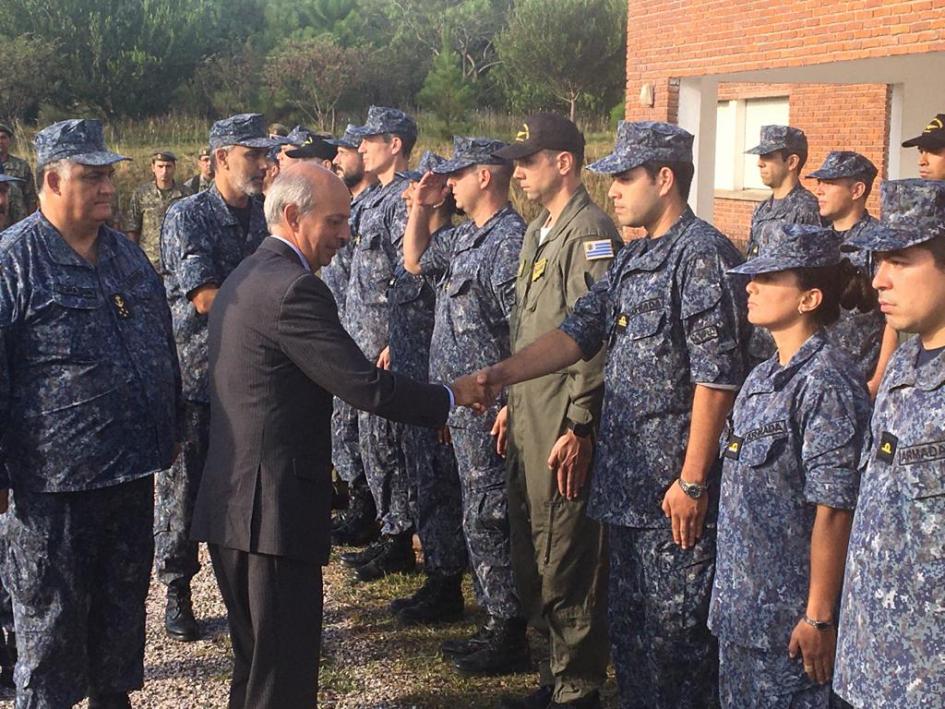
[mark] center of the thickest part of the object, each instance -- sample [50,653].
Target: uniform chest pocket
[644,325]
[406,289]
[66,326]
[760,452]
[458,285]
[925,490]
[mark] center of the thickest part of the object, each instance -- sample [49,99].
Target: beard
[350,177]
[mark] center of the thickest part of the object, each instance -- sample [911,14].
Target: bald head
[309,206]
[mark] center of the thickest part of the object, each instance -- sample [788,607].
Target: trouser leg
[385,471]
[176,494]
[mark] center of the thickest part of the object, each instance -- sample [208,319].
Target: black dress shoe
[395,556]
[539,699]
[505,652]
[179,621]
[465,646]
[114,700]
[353,559]
[442,604]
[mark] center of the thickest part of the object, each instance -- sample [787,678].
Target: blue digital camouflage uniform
[89,390]
[345,444]
[858,334]
[475,299]
[793,443]
[798,207]
[378,252]
[201,244]
[891,645]
[672,318]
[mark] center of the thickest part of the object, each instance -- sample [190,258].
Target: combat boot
[506,651]
[179,621]
[113,700]
[452,649]
[354,559]
[395,556]
[356,526]
[538,699]
[443,603]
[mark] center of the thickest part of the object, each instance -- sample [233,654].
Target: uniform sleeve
[503,272]
[189,244]
[436,259]
[586,293]
[831,446]
[8,316]
[712,308]
[134,219]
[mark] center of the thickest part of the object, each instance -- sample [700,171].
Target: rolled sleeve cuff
[578,414]
[194,272]
[590,343]
[833,487]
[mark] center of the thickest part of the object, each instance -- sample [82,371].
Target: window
[738,127]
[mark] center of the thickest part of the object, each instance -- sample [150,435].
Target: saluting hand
[431,190]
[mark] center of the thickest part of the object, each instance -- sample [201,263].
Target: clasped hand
[478,390]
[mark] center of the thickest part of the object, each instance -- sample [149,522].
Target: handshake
[478,390]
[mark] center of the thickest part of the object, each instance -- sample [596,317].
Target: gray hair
[290,187]
[60,167]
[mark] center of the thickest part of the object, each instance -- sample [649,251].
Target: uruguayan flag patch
[594,250]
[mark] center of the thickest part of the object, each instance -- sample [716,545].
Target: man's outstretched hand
[477,391]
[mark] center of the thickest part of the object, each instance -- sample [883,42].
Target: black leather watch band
[581,430]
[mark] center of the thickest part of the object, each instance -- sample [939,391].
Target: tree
[30,70]
[313,75]
[575,48]
[445,91]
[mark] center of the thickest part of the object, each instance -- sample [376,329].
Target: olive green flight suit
[558,553]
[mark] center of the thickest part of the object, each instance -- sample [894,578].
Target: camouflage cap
[932,138]
[5,128]
[794,246]
[78,139]
[382,120]
[349,140]
[913,211]
[204,152]
[246,129]
[299,136]
[845,163]
[429,162]
[9,178]
[472,151]
[780,138]
[644,141]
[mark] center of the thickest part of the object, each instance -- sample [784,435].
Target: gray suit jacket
[277,354]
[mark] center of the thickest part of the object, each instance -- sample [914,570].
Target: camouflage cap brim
[448,167]
[885,238]
[261,142]
[96,159]
[614,164]
[411,175]
[10,178]
[773,264]
[765,148]
[342,143]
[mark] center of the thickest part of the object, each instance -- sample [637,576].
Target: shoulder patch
[599,249]
[886,452]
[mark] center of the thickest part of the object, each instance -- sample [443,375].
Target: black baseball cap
[315,147]
[544,131]
[932,137]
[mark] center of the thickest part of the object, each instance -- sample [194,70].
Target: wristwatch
[581,430]
[694,490]
[818,624]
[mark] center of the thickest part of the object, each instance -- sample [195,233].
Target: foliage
[30,67]
[446,93]
[572,50]
[313,75]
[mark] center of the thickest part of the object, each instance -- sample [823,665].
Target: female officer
[789,480]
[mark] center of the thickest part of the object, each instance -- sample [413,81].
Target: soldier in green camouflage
[22,198]
[203,179]
[149,203]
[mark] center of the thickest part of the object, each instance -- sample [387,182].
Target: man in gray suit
[277,355]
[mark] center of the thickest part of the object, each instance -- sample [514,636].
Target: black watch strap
[581,430]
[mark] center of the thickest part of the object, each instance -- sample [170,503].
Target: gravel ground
[368,661]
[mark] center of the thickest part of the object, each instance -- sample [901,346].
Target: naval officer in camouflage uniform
[475,299]
[674,326]
[89,387]
[789,481]
[204,237]
[23,193]
[387,138]
[782,154]
[557,551]
[891,649]
[844,183]
[150,201]
[356,524]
